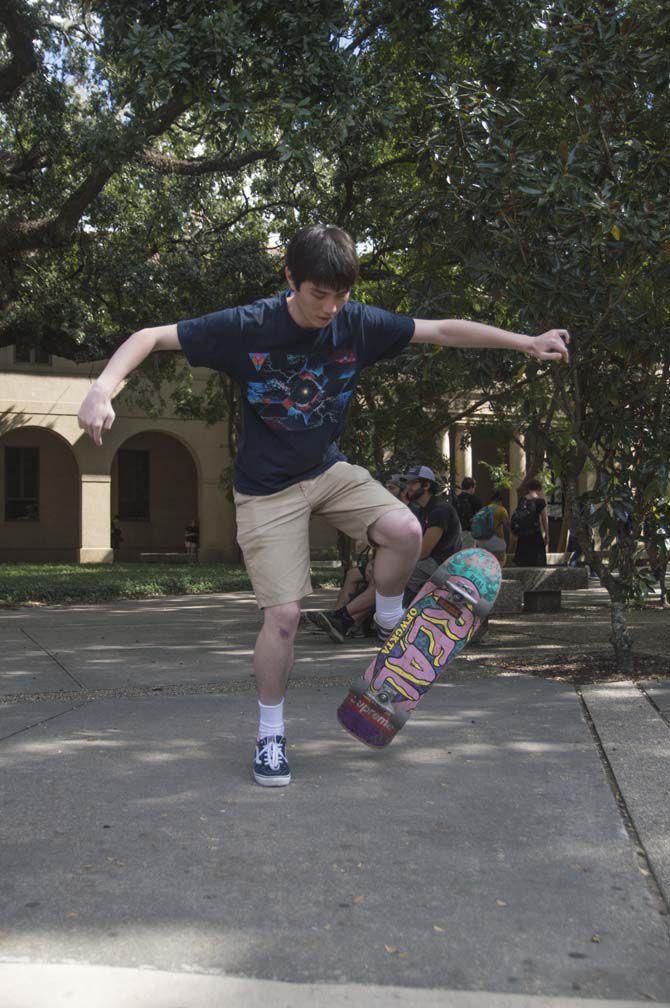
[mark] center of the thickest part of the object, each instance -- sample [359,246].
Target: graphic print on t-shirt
[297,391]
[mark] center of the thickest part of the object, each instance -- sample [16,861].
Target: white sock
[272,720]
[388,610]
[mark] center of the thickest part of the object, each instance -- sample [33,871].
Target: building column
[463,453]
[517,465]
[96,519]
[216,523]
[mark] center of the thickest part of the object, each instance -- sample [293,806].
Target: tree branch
[51,232]
[473,407]
[366,34]
[167,165]
[19,27]
[16,172]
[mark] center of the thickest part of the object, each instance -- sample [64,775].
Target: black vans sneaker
[382,633]
[271,767]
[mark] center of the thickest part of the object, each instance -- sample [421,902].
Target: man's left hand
[552,345]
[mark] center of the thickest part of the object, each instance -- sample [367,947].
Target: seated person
[440,523]
[395,484]
[497,542]
[355,604]
[441,538]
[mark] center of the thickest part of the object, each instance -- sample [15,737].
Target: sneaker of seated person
[271,767]
[337,623]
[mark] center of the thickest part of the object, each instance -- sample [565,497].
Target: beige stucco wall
[79,487]
[39,405]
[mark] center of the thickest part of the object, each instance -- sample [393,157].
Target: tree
[562,177]
[133,141]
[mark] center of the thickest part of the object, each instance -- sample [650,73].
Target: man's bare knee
[283,620]
[397,528]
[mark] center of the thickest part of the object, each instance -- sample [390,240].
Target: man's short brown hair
[323,254]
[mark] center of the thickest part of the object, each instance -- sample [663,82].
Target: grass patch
[57,584]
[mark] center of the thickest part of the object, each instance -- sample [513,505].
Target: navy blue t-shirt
[296,383]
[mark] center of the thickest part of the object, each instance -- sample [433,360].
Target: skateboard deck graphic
[439,623]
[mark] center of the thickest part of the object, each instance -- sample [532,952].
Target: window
[22,484]
[133,485]
[25,354]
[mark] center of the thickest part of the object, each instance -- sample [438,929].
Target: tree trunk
[535,447]
[565,531]
[622,639]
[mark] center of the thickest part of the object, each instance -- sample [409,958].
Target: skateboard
[440,621]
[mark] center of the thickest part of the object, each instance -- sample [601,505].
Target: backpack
[524,519]
[481,526]
[463,504]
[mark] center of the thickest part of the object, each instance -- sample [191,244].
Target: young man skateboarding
[297,358]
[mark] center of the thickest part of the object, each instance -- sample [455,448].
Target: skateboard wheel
[399,718]
[483,608]
[359,686]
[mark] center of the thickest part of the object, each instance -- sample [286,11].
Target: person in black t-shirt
[467,503]
[531,545]
[440,524]
[297,358]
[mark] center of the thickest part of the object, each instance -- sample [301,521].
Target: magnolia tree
[559,176]
[150,151]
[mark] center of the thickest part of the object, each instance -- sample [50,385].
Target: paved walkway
[510,849]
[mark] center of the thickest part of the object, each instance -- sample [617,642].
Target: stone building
[60,492]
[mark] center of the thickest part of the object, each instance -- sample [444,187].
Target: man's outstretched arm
[551,345]
[96,413]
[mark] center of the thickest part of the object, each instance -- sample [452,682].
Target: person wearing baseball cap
[421,472]
[439,522]
[395,484]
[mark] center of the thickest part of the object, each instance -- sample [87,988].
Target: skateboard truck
[459,597]
[383,698]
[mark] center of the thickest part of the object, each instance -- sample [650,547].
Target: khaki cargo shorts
[273,531]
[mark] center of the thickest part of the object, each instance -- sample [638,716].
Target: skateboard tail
[365,719]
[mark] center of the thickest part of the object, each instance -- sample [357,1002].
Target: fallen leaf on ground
[500,903]
[392,950]
[440,930]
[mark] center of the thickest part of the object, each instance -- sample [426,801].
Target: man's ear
[289,278]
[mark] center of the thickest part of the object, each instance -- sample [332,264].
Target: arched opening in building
[154,495]
[39,497]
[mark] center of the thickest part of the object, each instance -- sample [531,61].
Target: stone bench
[542,586]
[167,558]
[510,598]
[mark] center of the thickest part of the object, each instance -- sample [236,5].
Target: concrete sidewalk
[510,847]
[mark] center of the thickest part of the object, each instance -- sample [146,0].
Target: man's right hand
[96,414]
